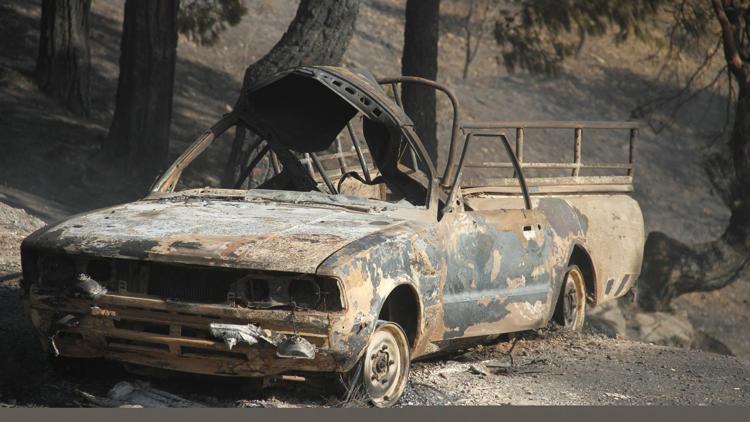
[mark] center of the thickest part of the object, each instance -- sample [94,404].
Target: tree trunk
[672,268]
[318,35]
[139,134]
[420,58]
[63,66]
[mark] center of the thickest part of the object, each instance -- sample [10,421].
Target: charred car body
[334,267]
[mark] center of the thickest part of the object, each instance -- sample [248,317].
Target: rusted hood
[260,234]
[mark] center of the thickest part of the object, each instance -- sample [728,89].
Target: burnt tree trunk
[63,65]
[672,268]
[420,58]
[318,35]
[138,137]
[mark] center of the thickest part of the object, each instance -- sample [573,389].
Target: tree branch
[731,50]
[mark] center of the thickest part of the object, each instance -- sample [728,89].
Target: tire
[385,365]
[570,312]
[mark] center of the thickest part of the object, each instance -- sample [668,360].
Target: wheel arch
[581,257]
[403,306]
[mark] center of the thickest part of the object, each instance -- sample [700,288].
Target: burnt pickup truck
[353,256]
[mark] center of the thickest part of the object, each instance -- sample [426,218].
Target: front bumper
[176,335]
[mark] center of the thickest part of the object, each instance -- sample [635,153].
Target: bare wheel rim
[386,365]
[574,300]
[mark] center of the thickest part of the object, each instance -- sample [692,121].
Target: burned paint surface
[317,269]
[215,232]
[495,274]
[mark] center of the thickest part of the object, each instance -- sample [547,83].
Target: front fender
[369,270]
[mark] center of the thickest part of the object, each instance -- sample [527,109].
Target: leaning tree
[538,37]
[318,35]
[63,64]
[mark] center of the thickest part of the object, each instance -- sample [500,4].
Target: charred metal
[338,250]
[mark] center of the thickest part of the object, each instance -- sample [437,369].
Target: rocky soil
[15,224]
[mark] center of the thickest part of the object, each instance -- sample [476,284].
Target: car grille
[193,283]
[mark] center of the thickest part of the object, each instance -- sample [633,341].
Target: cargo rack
[574,183]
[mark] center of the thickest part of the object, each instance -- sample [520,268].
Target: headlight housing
[56,271]
[307,292]
[198,284]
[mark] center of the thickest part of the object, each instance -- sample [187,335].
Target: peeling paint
[518,282]
[528,311]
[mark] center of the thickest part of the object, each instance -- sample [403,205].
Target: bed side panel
[613,234]
[614,237]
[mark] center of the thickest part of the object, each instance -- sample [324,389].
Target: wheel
[385,365]
[571,306]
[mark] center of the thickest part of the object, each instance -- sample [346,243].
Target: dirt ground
[586,369]
[46,170]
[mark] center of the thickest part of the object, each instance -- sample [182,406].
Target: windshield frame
[343,83]
[169,179]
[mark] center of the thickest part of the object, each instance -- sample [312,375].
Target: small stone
[478,369]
